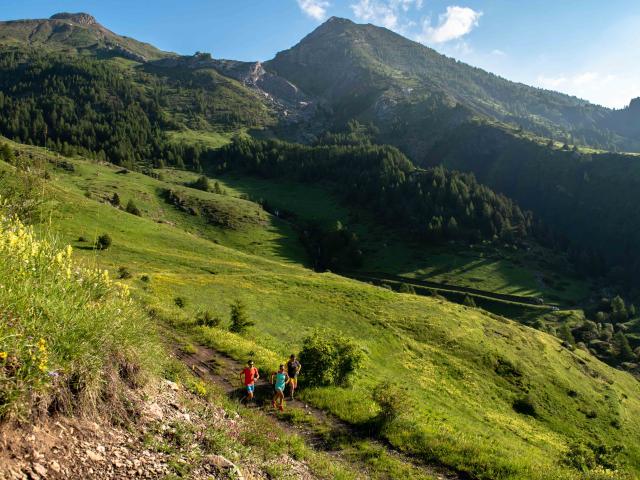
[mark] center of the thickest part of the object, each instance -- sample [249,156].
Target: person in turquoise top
[279,380]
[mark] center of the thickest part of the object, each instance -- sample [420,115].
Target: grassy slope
[446,355]
[500,270]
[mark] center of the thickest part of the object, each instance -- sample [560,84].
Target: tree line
[434,203]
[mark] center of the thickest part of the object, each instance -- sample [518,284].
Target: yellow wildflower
[3,355]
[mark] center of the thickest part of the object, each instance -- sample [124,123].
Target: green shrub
[591,457]
[133,209]
[391,399]
[124,273]
[180,302]
[406,288]
[115,200]
[6,153]
[469,301]
[145,278]
[525,406]
[202,183]
[206,319]
[104,241]
[329,358]
[239,320]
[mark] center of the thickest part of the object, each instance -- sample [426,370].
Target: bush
[180,302]
[329,358]
[587,457]
[406,288]
[133,209]
[391,399]
[115,200]
[6,153]
[145,278]
[205,319]
[239,319]
[469,301]
[124,273]
[218,189]
[525,406]
[103,242]
[202,183]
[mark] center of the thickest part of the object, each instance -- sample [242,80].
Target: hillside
[89,390]
[588,196]
[465,407]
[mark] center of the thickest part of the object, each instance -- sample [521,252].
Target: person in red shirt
[249,375]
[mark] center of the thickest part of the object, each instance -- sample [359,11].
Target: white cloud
[603,89]
[316,9]
[498,53]
[455,23]
[379,13]
[388,14]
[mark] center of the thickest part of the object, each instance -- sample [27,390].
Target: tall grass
[70,338]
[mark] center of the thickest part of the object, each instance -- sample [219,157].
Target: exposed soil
[79,449]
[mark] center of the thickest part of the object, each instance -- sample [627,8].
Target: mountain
[77,32]
[441,111]
[371,73]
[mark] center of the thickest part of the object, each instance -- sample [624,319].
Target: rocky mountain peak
[80,18]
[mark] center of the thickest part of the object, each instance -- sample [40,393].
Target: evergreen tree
[239,320]
[202,183]
[6,153]
[565,334]
[619,310]
[622,347]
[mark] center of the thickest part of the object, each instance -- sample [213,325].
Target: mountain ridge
[367,56]
[76,31]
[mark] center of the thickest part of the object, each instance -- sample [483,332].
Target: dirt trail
[325,432]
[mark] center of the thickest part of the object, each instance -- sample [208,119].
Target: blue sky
[588,48]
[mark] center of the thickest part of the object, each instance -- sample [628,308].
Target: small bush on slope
[69,337]
[329,358]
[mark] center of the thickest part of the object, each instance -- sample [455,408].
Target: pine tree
[622,347]
[618,310]
[239,320]
[565,334]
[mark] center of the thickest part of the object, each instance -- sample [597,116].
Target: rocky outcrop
[79,18]
[287,99]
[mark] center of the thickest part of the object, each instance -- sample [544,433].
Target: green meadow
[486,395]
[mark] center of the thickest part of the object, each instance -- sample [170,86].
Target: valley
[456,248]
